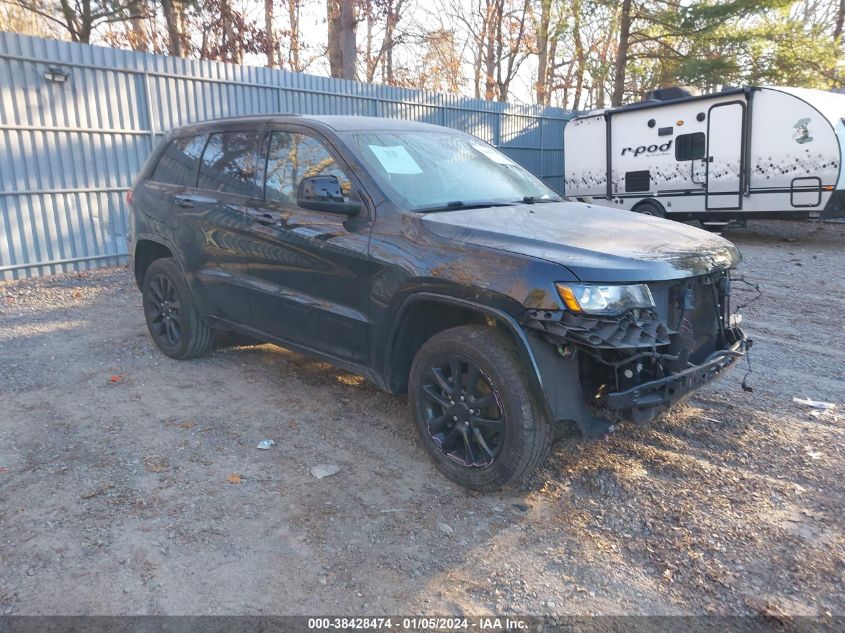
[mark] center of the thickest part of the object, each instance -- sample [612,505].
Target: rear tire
[500,435]
[650,208]
[172,318]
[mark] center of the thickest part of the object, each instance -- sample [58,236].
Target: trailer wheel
[650,207]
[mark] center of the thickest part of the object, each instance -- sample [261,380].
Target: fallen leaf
[292,425]
[116,378]
[156,463]
[186,425]
[234,478]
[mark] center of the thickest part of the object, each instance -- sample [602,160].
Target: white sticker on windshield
[395,159]
[494,155]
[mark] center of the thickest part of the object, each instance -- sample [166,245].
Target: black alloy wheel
[164,310]
[476,411]
[175,324]
[463,411]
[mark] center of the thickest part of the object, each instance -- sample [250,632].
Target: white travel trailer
[739,153]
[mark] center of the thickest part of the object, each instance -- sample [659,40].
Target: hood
[597,244]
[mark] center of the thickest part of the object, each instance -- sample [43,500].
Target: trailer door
[725,139]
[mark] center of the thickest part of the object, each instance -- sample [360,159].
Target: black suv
[429,262]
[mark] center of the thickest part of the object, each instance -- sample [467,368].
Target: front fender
[555,382]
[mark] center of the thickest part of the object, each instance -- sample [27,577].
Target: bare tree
[382,19]
[81,17]
[439,65]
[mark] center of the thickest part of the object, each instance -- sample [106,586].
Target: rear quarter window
[230,164]
[178,164]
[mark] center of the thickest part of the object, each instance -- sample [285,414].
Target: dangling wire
[752,299]
[745,385]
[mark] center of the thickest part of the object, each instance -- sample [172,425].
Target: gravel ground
[131,483]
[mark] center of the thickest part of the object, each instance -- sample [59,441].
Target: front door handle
[263,218]
[183,201]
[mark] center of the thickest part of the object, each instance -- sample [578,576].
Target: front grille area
[694,315]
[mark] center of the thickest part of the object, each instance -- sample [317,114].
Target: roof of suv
[337,123]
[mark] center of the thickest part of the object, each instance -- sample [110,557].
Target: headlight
[595,299]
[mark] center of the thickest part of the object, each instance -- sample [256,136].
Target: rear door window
[230,164]
[178,163]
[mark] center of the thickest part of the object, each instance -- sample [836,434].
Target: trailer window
[690,146]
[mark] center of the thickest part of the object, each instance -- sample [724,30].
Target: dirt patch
[131,483]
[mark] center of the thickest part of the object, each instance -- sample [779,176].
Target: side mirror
[323,193]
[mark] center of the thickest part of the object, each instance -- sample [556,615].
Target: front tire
[172,318]
[478,419]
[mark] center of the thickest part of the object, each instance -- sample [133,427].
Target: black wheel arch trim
[166,243]
[556,381]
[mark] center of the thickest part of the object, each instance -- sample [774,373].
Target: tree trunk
[370,61]
[621,54]
[270,38]
[550,69]
[342,25]
[490,59]
[393,14]
[172,20]
[333,25]
[478,59]
[233,41]
[293,16]
[343,51]
[840,21]
[139,10]
[70,20]
[349,45]
[543,51]
[580,59]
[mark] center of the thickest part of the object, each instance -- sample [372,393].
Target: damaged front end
[632,365]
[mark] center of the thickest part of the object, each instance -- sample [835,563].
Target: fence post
[150,121]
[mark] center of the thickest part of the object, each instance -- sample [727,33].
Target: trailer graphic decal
[802,132]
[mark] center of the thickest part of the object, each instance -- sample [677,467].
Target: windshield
[425,171]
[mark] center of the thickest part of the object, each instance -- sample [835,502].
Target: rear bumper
[647,399]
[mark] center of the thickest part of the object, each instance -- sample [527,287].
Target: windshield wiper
[460,204]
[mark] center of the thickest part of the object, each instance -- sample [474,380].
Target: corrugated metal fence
[78,121]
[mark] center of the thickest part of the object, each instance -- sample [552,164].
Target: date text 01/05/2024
[417,623]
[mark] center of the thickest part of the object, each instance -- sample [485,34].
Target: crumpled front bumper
[658,394]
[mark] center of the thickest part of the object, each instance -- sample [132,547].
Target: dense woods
[575,54]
